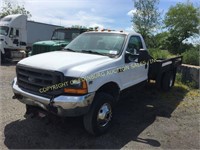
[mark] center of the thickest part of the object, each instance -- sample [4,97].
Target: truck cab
[13,36]
[60,38]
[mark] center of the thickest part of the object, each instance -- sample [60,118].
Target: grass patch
[157,53]
[192,92]
[189,84]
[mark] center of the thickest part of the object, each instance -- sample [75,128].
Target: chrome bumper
[62,105]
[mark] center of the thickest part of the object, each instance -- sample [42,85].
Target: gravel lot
[146,119]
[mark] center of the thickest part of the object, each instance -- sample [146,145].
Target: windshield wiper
[68,49]
[92,52]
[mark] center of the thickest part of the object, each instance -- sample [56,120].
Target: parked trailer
[17,35]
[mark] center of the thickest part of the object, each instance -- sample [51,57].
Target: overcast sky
[112,14]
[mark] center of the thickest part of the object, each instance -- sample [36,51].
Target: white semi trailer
[17,35]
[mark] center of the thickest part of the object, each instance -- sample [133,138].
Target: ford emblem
[31,79]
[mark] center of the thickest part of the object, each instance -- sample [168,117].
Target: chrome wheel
[99,119]
[104,115]
[171,81]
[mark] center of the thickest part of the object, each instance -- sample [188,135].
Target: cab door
[15,38]
[137,72]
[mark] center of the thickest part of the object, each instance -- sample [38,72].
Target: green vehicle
[60,38]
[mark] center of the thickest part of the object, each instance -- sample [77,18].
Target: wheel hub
[171,81]
[104,115]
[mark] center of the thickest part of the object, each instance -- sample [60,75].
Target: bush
[157,53]
[191,57]
[180,80]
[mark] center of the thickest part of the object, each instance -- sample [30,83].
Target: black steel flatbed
[158,67]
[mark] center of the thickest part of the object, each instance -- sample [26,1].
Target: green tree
[146,18]
[160,40]
[79,26]
[12,7]
[182,21]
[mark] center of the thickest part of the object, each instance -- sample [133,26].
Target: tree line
[171,32]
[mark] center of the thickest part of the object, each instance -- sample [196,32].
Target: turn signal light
[81,90]
[75,91]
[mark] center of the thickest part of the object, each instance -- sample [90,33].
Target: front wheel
[99,118]
[2,58]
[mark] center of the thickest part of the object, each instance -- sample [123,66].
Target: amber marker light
[80,90]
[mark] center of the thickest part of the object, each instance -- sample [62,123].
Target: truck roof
[13,20]
[113,31]
[31,21]
[12,16]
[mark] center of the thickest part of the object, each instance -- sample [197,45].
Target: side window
[17,32]
[134,45]
[11,32]
[14,32]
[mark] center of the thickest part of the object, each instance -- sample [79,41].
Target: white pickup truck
[88,75]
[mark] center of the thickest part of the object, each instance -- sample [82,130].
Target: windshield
[4,30]
[65,34]
[102,43]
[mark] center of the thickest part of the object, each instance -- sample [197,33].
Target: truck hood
[53,42]
[69,63]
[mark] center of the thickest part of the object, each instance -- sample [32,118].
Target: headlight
[76,86]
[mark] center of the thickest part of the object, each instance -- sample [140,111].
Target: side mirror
[131,57]
[143,55]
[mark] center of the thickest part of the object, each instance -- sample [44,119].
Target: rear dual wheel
[168,80]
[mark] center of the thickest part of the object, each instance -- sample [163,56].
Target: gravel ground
[146,119]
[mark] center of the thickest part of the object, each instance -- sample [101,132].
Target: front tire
[98,120]
[2,58]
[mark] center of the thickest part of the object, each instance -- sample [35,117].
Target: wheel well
[111,88]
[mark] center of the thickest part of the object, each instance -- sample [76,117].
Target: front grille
[37,49]
[33,80]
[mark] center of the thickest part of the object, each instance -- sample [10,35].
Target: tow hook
[17,96]
[32,112]
[51,108]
